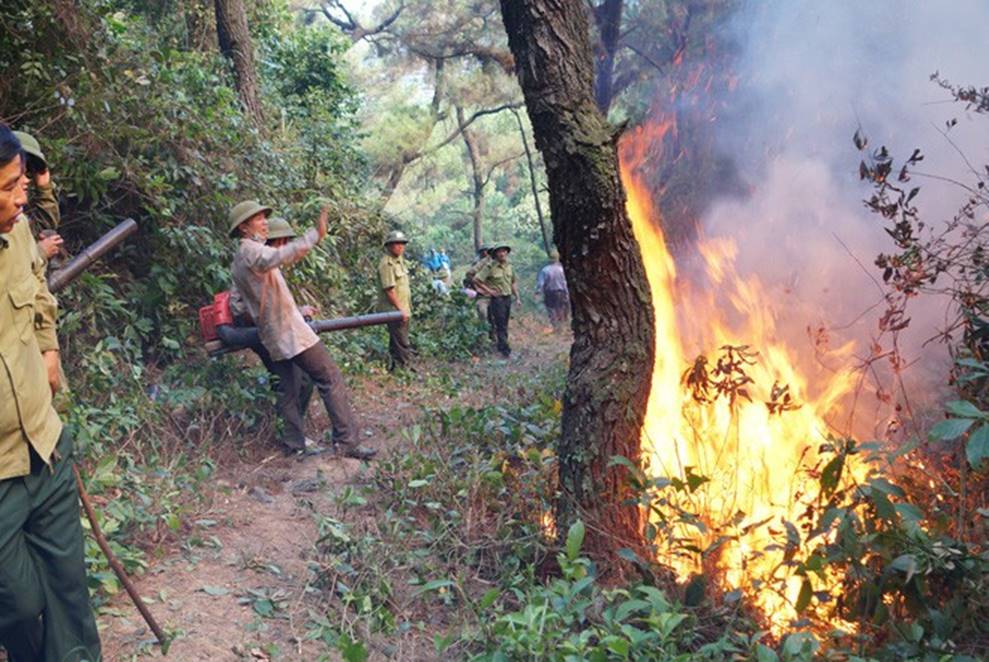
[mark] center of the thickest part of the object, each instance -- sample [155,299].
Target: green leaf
[418,483]
[434,585]
[909,512]
[108,174]
[831,475]
[803,598]
[906,564]
[215,591]
[351,650]
[951,428]
[264,607]
[964,409]
[575,540]
[765,654]
[977,448]
[489,598]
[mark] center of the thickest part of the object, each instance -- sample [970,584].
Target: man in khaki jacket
[44,599]
[496,279]
[394,293]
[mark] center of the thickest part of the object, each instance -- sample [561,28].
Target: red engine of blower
[214,315]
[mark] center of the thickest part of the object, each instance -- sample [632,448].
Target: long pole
[57,281]
[118,569]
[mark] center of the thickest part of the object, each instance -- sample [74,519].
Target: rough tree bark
[235,43]
[612,355]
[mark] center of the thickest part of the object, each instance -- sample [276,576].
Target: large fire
[756,448]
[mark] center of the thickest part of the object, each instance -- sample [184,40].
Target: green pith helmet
[242,211]
[396,237]
[279,228]
[482,249]
[554,255]
[32,147]
[494,247]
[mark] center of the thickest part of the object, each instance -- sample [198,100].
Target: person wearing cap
[42,209]
[44,597]
[497,280]
[279,234]
[552,284]
[290,342]
[394,293]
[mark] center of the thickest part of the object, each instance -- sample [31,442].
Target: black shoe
[356,452]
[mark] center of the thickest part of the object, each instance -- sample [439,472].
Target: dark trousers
[42,567]
[399,347]
[305,384]
[326,376]
[557,305]
[500,310]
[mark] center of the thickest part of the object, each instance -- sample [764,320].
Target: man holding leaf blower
[290,342]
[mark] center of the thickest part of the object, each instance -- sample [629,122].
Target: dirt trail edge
[237,588]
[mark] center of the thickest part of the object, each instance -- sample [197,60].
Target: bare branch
[466,123]
[351,26]
[497,164]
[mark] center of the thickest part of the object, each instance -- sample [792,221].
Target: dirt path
[237,588]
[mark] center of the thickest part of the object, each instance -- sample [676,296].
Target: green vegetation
[450,540]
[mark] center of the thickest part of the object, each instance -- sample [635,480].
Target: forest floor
[240,586]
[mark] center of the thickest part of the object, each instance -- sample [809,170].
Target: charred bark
[235,43]
[608,17]
[612,355]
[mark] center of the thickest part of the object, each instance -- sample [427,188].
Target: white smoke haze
[810,75]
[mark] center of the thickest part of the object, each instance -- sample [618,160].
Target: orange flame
[756,459]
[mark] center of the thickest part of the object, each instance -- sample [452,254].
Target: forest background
[407,115]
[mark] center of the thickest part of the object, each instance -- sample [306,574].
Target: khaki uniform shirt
[394,273]
[27,328]
[266,297]
[499,277]
[43,209]
[479,264]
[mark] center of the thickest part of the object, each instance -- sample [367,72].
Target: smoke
[810,74]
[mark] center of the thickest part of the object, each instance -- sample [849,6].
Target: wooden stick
[118,569]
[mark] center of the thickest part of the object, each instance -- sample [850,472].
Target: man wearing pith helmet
[290,342]
[395,294]
[497,280]
[42,208]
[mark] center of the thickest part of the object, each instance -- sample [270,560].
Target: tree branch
[351,26]
[466,123]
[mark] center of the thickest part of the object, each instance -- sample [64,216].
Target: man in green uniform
[394,293]
[42,209]
[44,599]
[496,279]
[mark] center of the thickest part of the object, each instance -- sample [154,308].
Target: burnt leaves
[729,380]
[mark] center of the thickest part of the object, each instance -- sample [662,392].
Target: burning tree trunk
[612,355]
[235,43]
[608,16]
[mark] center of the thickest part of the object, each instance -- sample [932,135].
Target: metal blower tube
[233,338]
[59,279]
